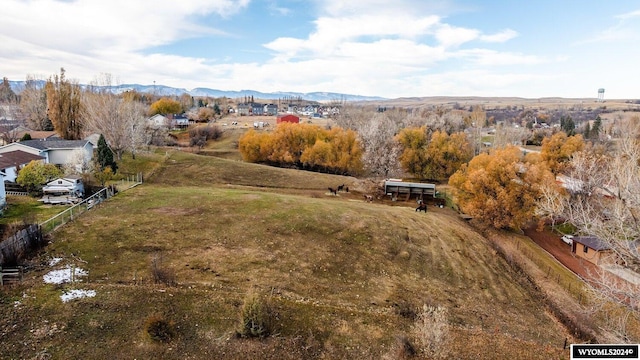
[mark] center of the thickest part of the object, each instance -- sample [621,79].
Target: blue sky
[367,47]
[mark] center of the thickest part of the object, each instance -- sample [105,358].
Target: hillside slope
[345,278]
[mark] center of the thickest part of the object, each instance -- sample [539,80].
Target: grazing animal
[368,198]
[346,189]
[422,207]
[333,191]
[340,187]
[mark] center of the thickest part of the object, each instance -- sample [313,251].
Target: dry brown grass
[335,271]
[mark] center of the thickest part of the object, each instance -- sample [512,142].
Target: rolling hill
[343,279]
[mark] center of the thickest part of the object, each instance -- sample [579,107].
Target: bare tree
[381,150]
[510,135]
[33,103]
[603,200]
[120,121]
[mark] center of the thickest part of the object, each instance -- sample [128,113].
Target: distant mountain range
[162,90]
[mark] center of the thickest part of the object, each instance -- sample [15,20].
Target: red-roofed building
[288,118]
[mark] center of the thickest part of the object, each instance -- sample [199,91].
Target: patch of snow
[77,294]
[54,261]
[64,275]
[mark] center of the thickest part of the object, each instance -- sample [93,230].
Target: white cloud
[629,15]
[450,36]
[502,36]
[622,30]
[371,47]
[495,58]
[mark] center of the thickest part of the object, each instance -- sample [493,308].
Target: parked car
[568,239]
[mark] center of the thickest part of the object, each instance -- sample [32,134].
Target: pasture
[345,277]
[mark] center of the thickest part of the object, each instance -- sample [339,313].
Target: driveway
[562,252]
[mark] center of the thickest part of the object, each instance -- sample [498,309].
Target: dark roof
[55,144]
[16,158]
[592,242]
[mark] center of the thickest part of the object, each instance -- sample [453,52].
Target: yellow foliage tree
[436,157]
[414,142]
[557,150]
[499,188]
[306,147]
[165,106]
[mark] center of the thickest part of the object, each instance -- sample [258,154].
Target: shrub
[256,317]
[159,329]
[198,136]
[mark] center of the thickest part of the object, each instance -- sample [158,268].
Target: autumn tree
[500,188]
[206,114]
[165,106]
[33,103]
[304,146]
[557,150]
[433,156]
[36,174]
[414,142]
[64,106]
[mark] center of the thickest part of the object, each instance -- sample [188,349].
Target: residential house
[271,109]
[12,161]
[57,152]
[158,121]
[592,249]
[35,134]
[179,122]
[243,109]
[257,109]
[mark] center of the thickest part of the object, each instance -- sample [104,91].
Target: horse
[333,191]
[368,198]
[340,187]
[422,207]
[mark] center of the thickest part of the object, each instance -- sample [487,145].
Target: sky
[391,49]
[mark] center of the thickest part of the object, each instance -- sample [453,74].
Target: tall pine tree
[105,155]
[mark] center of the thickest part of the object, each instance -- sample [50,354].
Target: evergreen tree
[587,131]
[105,155]
[567,125]
[597,126]
[6,93]
[25,137]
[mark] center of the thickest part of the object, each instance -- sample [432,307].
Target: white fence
[88,203]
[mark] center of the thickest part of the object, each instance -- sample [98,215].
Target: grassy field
[344,278]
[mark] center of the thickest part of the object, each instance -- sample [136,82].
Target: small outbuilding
[288,118]
[591,249]
[63,190]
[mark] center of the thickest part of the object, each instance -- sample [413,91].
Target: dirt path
[561,251]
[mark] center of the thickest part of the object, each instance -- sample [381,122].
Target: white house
[12,161]
[66,186]
[57,152]
[158,121]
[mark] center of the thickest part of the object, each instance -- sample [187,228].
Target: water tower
[601,95]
